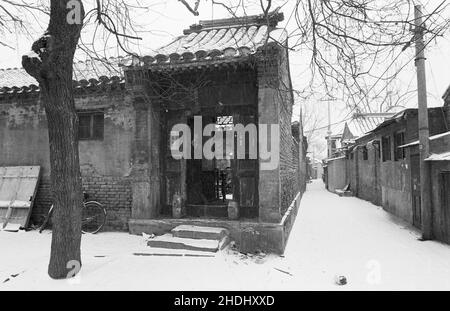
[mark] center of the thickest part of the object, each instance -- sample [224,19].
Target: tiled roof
[224,40]
[357,126]
[218,40]
[86,74]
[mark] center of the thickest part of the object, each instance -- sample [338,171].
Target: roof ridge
[12,68]
[271,20]
[76,61]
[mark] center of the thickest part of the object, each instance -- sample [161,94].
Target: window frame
[386,147]
[365,153]
[93,126]
[399,153]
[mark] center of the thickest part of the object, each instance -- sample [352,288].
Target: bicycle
[92,220]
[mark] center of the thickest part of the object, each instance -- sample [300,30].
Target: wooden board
[18,186]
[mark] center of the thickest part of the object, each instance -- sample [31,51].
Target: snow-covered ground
[332,236]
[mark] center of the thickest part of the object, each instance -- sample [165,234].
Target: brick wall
[115,194]
[289,147]
[278,187]
[112,192]
[42,202]
[289,173]
[25,140]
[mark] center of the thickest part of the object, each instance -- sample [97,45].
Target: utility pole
[424,144]
[329,131]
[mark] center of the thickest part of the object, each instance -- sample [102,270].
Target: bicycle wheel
[93,217]
[47,218]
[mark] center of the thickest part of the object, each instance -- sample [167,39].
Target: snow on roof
[225,40]
[358,127]
[338,158]
[431,138]
[89,73]
[439,157]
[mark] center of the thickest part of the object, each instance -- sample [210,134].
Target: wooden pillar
[154,128]
[145,173]
[140,178]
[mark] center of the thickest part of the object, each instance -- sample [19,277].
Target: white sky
[170,17]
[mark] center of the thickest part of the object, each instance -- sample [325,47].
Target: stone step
[199,232]
[166,252]
[172,242]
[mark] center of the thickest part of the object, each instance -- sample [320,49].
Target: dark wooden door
[445,205]
[415,191]
[245,173]
[173,169]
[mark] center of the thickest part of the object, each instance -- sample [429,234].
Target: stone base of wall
[249,236]
[112,192]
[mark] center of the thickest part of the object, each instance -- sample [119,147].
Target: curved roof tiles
[86,75]
[214,44]
[224,39]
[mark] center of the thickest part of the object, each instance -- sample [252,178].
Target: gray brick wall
[112,192]
[289,149]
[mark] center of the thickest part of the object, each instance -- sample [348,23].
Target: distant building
[340,141]
[382,166]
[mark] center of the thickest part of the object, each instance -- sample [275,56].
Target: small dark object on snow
[341,280]
[282,271]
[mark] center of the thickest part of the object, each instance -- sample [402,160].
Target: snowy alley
[332,236]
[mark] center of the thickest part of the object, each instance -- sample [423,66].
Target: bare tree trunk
[52,65]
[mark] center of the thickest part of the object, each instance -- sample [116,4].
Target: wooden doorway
[212,183]
[445,205]
[415,191]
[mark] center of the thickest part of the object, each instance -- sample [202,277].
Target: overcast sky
[168,19]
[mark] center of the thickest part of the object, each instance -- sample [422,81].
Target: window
[399,140]
[90,125]
[386,146]
[333,145]
[365,153]
[225,123]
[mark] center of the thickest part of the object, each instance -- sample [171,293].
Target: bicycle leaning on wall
[93,216]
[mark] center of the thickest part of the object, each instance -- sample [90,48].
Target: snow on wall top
[439,157]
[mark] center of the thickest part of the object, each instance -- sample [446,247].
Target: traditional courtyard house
[106,133]
[228,72]
[363,168]
[439,163]
[218,76]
